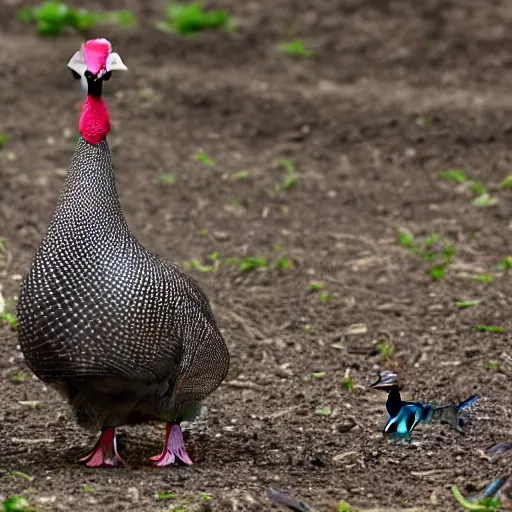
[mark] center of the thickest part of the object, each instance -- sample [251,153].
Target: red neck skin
[94,123]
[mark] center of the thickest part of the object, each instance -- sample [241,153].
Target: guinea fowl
[125,336]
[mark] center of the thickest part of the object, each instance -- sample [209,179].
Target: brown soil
[351,121]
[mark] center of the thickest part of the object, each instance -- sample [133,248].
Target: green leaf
[318,375]
[315,286]
[483,278]
[437,272]
[491,504]
[252,263]
[198,266]
[296,48]
[165,495]
[241,175]
[204,158]
[167,178]
[482,200]
[289,181]
[16,504]
[3,139]
[10,319]
[406,240]
[283,263]
[323,411]
[190,19]
[505,263]
[507,182]
[324,297]
[287,164]
[490,328]
[344,507]
[454,175]
[20,474]
[467,303]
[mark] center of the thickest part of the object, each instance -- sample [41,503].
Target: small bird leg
[104,453]
[173,447]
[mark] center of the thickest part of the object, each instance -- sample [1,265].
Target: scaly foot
[173,447]
[104,453]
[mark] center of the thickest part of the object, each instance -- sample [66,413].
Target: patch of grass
[241,175]
[3,139]
[164,495]
[467,303]
[315,286]
[167,177]
[385,350]
[490,328]
[204,158]
[19,377]
[52,18]
[87,488]
[482,505]
[205,496]
[456,175]
[296,48]
[505,263]
[10,319]
[252,263]
[478,189]
[323,411]
[493,365]
[507,182]
[343,506]
[483,278]
[283,263]
[324,297]
[16,504]
[190,19]
[291,177]
[318,375]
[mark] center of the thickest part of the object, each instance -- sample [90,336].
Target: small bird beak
[95,59]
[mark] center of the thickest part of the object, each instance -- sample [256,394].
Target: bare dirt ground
[399,91]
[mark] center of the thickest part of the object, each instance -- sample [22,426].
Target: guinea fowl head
[93,64]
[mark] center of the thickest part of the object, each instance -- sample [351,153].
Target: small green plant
[467,303]
[87,488]
[456,175]
[385,350]
[296,48]
[493,365]
[16,504]
[291,177]
[506,263]
[205,496]
[483,278]
[164,495]
[424,121]
[318,375]
[323,411]
[3,139]
[167,177]
[2,244]
[315,286]
[482,200]
[324,297]
[283,263]
[348,380]
[490,328]
[190,19]
[489,503]
[20,474]
[308,328]
[197,265]
[252,263]
[241,175]
[204,158]
[19,377]
[10,319]
[507,182]
[343,506]
[53,18]
[202,232]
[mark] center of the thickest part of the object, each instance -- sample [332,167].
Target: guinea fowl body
[124,335]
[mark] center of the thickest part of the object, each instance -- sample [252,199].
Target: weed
[10,319]
[54,17]
[318,375]
[202,232]
[205,496]
[241,175]
[348,380]
[506,263]
[165,495]
[190,19]
[385,350]
[493,365]
[453,174]
[204,158]
[19,377]
[87,488]
[483,278]
[3,139]
[482,505]
[324,297]
[482,200]
[507,182]
[167,178]
[296,48]
[291,177]
[490,328]
[315,286]
[308,328]
[196,264]
[283,263]
[20,474]
[424,121]
[466,303]
[323,411]
[343,506]
[252,263]
[16,504]
[478,189]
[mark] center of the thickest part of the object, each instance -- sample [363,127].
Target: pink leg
[104,453]
[173,447]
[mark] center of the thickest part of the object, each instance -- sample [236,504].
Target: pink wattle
[94,123]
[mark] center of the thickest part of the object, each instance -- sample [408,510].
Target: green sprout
[291,177]
[482,200]
[467,303]
[490,328]
[167,177]
[323,411]
[506,263]
[202,232]
[197,265]
[164,495]
[493,365]
[205,496]
[348,381]
[483,278]
[252,263]
[204,158]
[385,350]
[19,377]
[16,504]
[87,488]
[54,17]
[315,286]
[507,182]
[489,503]
[241,175]
[283,263]
[453,174]
[10,319]
[324,297]
[20,474]
[308,328]
[318,375]
[296,48]
[3,139]
[343,506]
[190,19]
